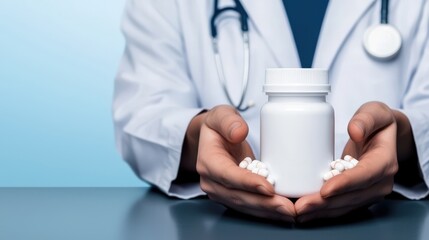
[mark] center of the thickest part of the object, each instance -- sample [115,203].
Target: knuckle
[366,118]
[393,169]
[221,116]
[205,187]
[201,169]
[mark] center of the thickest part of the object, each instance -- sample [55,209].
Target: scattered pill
[261,165]
[248,160]
[347,165]
[263,172]
[243,164]
[327,176]
[334,162]
[331,174]
[250,167]
[255,170]
[339,166]
[270,179]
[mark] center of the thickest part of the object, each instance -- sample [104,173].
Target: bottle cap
[296,80]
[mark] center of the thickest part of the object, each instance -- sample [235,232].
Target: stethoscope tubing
[246,52]
[243,17]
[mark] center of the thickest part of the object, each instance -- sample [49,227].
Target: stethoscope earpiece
[382,41]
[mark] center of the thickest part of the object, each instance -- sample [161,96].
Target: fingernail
[233,126]
[264,190]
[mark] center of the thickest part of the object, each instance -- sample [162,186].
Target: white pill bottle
[297,129]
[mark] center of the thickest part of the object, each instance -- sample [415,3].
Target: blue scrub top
[305,18]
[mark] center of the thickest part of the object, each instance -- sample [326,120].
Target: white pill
[347,165]
[255,170]
[261,165]
[270,179]
[263,172]
[247,159]
[256,161]
[331,174]
[334,162]
[339,166]
[243,164]
[251,166]
[354,162]
[327,176]
[348,158]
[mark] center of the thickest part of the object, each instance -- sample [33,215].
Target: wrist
[187,168]
[405,145]
[409,172]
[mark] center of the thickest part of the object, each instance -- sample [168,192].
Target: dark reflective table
[142,213]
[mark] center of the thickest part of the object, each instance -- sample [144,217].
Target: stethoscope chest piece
[382,41]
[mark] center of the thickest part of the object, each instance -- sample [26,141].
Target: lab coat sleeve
[154,97]
[416,107]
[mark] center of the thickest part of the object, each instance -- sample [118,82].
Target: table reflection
[156,216]
[139,213]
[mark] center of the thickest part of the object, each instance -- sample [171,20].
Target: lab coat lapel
[340,18]
[271,23]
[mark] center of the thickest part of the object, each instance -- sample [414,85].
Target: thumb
[226,121]
[368,119]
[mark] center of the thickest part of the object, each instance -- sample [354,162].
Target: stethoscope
[382,42]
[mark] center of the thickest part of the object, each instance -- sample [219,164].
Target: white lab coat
[168,74]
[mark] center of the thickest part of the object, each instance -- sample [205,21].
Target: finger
[378,162]
[227,122]
[266,215]
[238,178]
[273,207]
[351,149]
[315,202]
[368,119]
[215,163]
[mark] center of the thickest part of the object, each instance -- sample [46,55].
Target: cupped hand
[222,145]
[373,132]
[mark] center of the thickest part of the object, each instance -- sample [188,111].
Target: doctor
[175,128]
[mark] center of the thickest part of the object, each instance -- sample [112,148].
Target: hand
[373,139]
[221,146]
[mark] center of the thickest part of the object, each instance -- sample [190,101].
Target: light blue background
[58,60]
